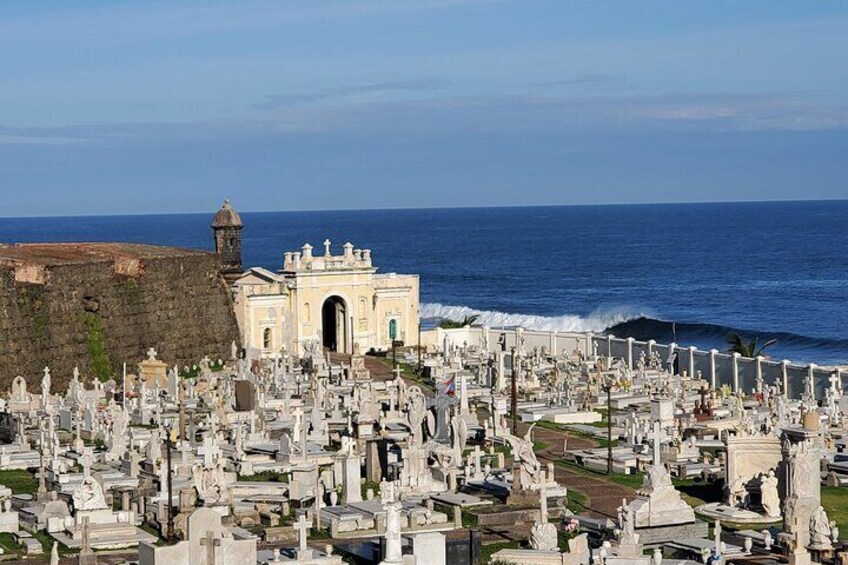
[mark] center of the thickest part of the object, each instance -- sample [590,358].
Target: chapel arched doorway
[334,324]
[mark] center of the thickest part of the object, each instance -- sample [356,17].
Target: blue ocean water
[685,272]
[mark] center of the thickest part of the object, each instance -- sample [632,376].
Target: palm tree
[751,349]
[466,321]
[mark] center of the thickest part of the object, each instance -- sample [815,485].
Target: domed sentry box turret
[227,226]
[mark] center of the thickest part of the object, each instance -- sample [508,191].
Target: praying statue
[820,529]
[770,498]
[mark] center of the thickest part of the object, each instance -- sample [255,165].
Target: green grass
[8,543]
[369,485]
[266,477]
[539,446]
[101,364]
[20,481]
[491,548]
[47,544]
[551,426]
[835,502]
[576,501]
[469,518]
[407,371]
[601,442]
[633,481]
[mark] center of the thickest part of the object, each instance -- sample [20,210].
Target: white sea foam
[597,321]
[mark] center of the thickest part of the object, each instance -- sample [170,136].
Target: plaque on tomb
[245,398]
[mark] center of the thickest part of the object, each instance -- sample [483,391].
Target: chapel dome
[227,217]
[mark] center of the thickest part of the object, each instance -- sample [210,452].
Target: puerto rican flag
[450,385]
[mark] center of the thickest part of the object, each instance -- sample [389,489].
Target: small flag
[450,385]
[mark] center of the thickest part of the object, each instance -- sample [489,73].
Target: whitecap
[597,321]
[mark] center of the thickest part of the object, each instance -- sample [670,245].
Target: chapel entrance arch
[334,324]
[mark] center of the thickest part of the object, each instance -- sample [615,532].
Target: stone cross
[835,382]
[211,451]
[302,527]
[151,354]
[86,537]
[326,248]
[211,542]
[477,454]
[656,435]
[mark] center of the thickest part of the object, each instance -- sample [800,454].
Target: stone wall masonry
[93,316]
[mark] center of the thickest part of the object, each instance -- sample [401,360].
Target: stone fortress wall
[99,305]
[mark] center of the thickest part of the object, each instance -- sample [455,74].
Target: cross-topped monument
[302,527]
[210,542]
[210,451]
[656,435]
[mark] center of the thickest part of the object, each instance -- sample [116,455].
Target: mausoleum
[326,301]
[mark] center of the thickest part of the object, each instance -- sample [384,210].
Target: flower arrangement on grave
[571,529]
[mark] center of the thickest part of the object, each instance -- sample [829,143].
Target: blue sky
[120,107]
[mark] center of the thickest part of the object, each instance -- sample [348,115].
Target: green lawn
[633,481]
[8,543]
[47,544]
[835,502]
[20,481]
[407,371]
[266,476]
[490,549]
[576,501]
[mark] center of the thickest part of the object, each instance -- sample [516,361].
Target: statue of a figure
[770,498]
[820,528]
[522,449]
[89,495]
[312,347]
[416,411]
[210,483]
[802,466]
[154,446]
[738,494]
[543,536]
[393,533]
[46,383]
[19,389]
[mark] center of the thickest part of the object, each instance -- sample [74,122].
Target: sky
[111,107]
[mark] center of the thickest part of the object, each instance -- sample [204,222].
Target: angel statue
[522,451]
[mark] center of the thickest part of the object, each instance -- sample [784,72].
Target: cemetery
[481,446]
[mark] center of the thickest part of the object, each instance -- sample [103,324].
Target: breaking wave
[597,321]
[628,322]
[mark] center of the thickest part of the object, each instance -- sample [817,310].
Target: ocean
[689,273]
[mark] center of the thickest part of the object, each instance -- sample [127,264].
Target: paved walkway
[603,497]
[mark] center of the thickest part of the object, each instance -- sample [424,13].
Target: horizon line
[430,208]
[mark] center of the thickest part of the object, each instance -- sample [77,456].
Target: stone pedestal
[153,372]
[657,503]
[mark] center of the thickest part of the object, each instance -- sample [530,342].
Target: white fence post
[713,353]
[736,356]
[784,367]
[692,361]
